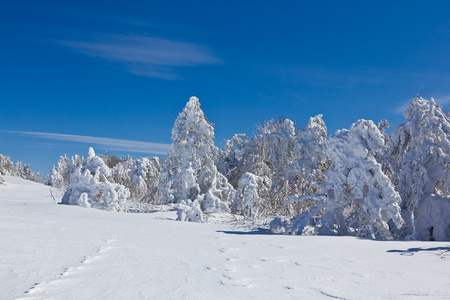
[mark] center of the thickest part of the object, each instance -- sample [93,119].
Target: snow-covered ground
[50,251]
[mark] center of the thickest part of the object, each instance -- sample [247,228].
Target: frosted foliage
[250,195]
[189,211]
[356,186]
[18,169]
[307,170]
[311,144]
[274,147]
[96,164]
[6,165]
[89,190]
[190,170]
[59,175]
[357,197]
[89,187]
[140,176]
[268,154]
[233,158]
[54,179]
[420,154]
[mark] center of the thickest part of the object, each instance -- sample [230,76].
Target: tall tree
[419,152]
[190,171]
[357,198]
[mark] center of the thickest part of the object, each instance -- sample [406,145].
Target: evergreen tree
[190,171]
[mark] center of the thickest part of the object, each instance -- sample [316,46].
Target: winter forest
[288,179]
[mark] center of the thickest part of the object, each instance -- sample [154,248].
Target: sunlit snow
[51,251]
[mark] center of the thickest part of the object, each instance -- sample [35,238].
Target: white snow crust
[51,251]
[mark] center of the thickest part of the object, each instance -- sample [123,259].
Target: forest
[360,181]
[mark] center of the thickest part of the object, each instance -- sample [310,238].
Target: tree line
[360,181]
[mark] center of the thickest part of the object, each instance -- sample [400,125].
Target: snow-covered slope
[50,251]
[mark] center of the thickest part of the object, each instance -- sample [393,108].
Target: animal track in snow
[273,259]
[41,288]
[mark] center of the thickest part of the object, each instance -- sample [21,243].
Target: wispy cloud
[108,143]
[146,56]
[401,107]
[443,100]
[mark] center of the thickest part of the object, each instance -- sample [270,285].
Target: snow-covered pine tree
[6,165]
[190,171]
[419,151]
[60,173]
[357,197]
[18,169]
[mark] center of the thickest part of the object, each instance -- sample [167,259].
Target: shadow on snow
[412,251]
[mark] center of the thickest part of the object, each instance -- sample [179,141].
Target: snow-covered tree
[18,169]
[267,155]
[140,176]
[60,173]
[419,151]
[6,165]
[357,198]
[234,158]
[251,196]
[306,172]
[190,171]
[90,185]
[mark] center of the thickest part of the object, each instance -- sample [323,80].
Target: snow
[51,251]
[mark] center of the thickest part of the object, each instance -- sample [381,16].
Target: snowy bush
[189,211]
[88,190]
[190,171]
[89,186]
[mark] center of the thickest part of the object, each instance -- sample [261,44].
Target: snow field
[68,252]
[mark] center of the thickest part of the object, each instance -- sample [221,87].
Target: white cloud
[109,143]
[146,56]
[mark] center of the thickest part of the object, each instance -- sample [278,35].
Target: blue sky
[115,74]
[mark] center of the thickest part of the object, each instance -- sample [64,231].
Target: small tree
[251,195]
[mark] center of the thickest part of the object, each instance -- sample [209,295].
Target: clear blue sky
[122,70]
